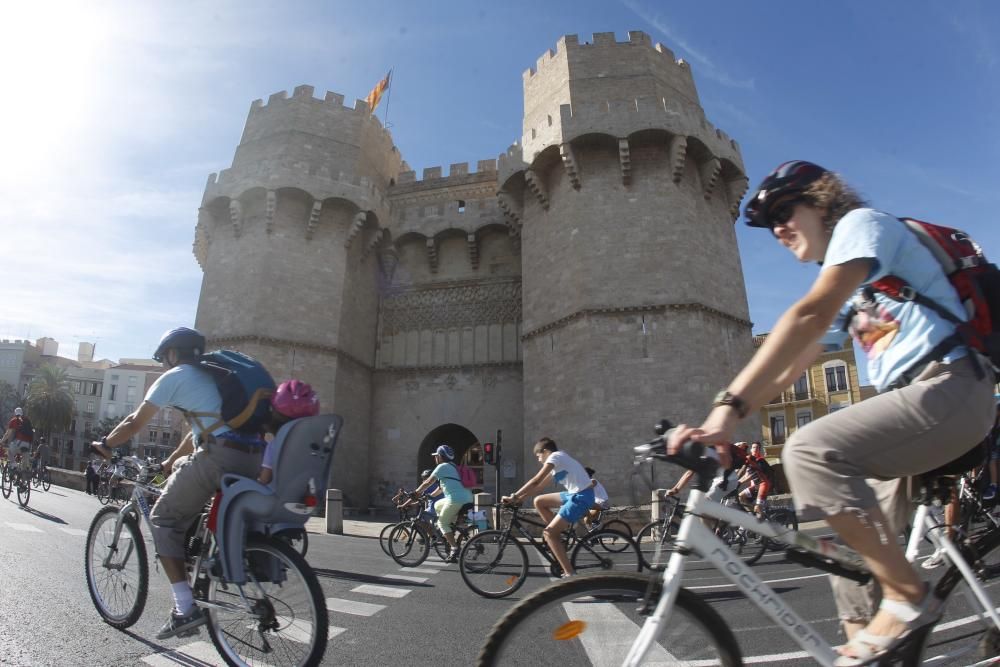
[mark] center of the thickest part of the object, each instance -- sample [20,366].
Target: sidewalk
[352,527]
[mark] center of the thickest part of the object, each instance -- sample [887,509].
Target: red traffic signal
[488,453]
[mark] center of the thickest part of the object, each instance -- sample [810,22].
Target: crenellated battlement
[458,172]
[569,45]
[332,100]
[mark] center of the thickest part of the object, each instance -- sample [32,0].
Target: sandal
[869,648]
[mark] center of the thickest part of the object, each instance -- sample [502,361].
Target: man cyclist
[186,387]
[19,435]
[40,457]
[756,471]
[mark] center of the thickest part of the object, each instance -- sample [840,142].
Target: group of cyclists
[18,446]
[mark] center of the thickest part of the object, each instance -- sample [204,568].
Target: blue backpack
[245,387]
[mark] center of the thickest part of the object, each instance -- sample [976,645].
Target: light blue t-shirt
[188,388]
[894,334]
[451,482]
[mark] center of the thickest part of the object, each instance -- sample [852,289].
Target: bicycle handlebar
[693,455]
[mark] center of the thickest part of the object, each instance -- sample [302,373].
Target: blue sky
[114,114]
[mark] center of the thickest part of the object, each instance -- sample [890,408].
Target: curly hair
[834,196]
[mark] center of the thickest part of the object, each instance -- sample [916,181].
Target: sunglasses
[782,213]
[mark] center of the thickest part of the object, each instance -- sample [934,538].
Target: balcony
[793,397]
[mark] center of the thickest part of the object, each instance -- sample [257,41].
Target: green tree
[50,403]
[9,399]
[105,426]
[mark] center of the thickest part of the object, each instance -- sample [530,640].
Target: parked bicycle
[263,600]
[16,477]
[631,619]
[494,563]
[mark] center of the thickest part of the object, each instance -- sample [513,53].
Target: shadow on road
[366,578]
[43,515]
[175,656]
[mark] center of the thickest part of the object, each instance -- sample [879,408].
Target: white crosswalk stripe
[195,654]
[24,527]
[73,531]
[403,577]
[420,570]
[352,607]
[383,591]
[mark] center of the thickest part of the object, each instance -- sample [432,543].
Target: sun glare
[51,75]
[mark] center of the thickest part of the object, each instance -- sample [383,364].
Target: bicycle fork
[113,547]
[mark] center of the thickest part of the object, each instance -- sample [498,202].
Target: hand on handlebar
[716,431]
[510,500]
[99,449]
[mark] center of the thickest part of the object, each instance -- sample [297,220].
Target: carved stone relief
[452,307]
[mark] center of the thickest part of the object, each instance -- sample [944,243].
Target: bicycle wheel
[654,535]
[297,538]
[746,544]
[118,588]
[46,480]
[7,483]
[409,544]
[36,479]
[493,564]
[591,556]
[383,537]
[288,625]
[594,621]
[102,492]
[620,526]
[23,490]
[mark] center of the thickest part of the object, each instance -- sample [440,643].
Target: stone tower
[582,286]
[633,294]
[289,239]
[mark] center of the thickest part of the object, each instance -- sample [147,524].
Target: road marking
[74,531]
[434,563]
[26,527]
[403,577]
[196,654]
[351,607]
[766,581]
[610,634]
[300,631]
[418,569]
[384,591]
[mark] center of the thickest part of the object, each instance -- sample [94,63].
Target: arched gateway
[462,440]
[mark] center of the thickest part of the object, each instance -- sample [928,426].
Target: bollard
[335,511]
[484,503]
[657,500]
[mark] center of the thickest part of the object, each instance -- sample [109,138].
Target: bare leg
[553,537]
[174,569]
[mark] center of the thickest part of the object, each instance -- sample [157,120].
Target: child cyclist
[600,499]
[291,400]
[571,505]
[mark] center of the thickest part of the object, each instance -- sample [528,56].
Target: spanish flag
[375,96]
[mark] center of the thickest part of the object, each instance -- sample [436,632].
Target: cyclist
[291,400]
[600,499]
[434,492]
[756,471]
[571,505]
[192,484]
[40,457]
[19,435]
[455,495]
[936,400]
[725,482]
[990,493]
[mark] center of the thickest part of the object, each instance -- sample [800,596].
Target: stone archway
[462,440]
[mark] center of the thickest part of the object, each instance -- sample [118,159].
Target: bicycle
[405,514]
[41,476]
[610,517]
[410,541]
[657,535]
[15,476]
[627,619]
[263,601]
[494,563]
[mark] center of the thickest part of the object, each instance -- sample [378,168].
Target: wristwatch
[725,397]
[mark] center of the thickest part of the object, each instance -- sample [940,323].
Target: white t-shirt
[190,389]
[600,494]
[568,472]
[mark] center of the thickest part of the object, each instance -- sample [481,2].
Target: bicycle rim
[619,525]
[7,484]
[23,491]
[493,564]
[654,536]
[383,537]
[591,555]
[409,545]
[594,621]
[289,626]
[46,481]
[118,591]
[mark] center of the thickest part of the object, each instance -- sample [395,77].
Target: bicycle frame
[695,536]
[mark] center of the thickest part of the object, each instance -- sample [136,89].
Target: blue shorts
[576,505]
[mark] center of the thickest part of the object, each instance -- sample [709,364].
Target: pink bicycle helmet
[294,399]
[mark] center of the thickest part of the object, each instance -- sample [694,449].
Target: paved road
[380,613]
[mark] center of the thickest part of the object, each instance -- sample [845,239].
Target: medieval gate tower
[581,286]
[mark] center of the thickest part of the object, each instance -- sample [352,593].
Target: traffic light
[488,453]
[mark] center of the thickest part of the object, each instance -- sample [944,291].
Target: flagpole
[388,98]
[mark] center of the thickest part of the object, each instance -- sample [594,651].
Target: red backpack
[976,280]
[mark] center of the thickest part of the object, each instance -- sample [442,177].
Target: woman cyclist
[936,400]
[455,495]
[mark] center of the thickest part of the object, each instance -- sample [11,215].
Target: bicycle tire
[409,544]
[36,480]
[114,577]
[493,556]
[102,493]
[590,554]
[6,484]
[23,491]
[383,537]
[652,535]
[535,632]
[284,625]
[46,480]
[746,544]
[620,526]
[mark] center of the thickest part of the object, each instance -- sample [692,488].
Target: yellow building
[830,384]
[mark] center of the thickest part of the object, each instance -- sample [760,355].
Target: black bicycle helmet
[789,178]
[180,338]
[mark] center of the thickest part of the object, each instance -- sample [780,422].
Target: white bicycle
[649,619]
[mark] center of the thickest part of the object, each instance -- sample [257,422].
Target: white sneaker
[936,559]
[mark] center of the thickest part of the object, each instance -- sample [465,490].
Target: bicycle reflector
[488,453]
[309,500]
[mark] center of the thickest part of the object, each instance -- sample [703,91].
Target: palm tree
[50,403]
